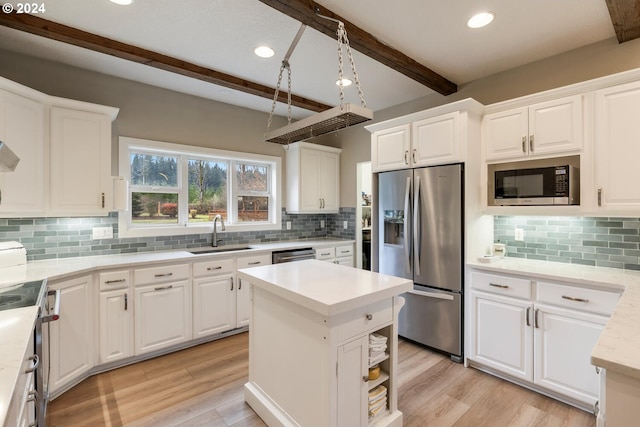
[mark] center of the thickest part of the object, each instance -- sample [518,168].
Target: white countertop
[325,288]
[618,348]
[17,325]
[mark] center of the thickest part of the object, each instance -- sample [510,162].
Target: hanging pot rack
[331,120]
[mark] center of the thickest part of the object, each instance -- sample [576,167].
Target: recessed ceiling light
[480,20]
[122,2]
[264,51]
[345,82]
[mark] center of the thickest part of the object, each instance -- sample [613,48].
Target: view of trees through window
[155,182]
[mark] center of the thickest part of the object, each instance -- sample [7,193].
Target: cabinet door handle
[240,284]
[527,316]
[163,288]
[164,275]
[365,378]
[36,363]
[535,319]
[214,268]
[596,408]
[574,298]
[103,200]
[231,284]
[495,285]
[108,282]
[413,154]
[126,302]
[531,143]
[600,196]
[320,203]
[406,157]
[524,143]
[369,316]
[597,369]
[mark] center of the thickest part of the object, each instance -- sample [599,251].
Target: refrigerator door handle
[407,193]
[416,226]
[436,295]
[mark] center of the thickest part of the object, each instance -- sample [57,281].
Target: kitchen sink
[200,251]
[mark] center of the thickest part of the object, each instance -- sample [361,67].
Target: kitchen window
[178,189]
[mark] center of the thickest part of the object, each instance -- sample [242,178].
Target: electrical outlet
[519,234]
[322,223]
[288,225]
[98,233]
[345,224]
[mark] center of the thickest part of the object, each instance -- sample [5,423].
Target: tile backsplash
[597,241]
[48,238]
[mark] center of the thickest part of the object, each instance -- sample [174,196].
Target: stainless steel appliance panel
[394,223]
[438,227]
[433,318]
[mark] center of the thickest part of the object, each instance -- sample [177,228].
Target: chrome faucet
[214,238]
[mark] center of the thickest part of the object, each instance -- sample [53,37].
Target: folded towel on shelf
[373,412]
[377,392]
[376,358]
[377,339]
[375,402]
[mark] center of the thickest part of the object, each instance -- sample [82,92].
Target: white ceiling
[221,34]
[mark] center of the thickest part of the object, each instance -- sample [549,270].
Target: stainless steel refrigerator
[421,230]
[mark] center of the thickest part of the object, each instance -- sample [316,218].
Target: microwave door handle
[416,225]
[405,223]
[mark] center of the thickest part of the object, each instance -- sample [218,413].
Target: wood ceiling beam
[52,30]
[362,41]
[625,16]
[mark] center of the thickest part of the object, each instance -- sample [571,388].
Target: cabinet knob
[365,378]
[369,316]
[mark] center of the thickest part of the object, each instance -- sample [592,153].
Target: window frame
[185,153]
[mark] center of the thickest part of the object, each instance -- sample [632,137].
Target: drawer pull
[214,268]
[344,252]
[255,263]
[495,285]
[369,316]
[163,288]
[574,299]
[108,282]
[164,274]
[36,362]
[325,253]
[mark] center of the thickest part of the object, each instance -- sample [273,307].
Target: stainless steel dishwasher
[291,255]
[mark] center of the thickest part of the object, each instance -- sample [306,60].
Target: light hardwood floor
[202,386]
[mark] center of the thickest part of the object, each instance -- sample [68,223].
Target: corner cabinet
[313,178]
[538,130]
[64,148]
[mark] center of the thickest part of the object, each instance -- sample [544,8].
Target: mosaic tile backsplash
[48,238]
[602,242]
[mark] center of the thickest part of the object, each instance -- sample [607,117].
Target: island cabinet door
[352,387]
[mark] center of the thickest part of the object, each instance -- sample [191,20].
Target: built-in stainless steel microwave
[550,185]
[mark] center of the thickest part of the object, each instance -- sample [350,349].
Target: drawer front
[114,280]
[254,261]
[325,253]
[215,266]
[142,276]
[503,285]
[344,251]
[364,319]
[584,299]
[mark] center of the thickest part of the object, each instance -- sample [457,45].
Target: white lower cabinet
[243,292]
[116,316]
[162,307]
[71,337]
[544,340]
[214,297]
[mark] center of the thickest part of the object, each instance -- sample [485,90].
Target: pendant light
[333,119]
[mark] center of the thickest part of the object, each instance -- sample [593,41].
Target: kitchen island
[316,330]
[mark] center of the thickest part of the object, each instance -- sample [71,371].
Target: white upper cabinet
[64,148]
[617,126]
[22,125]
[313,178]
[80,162]
[539,130]
[431,137]
[390,148]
